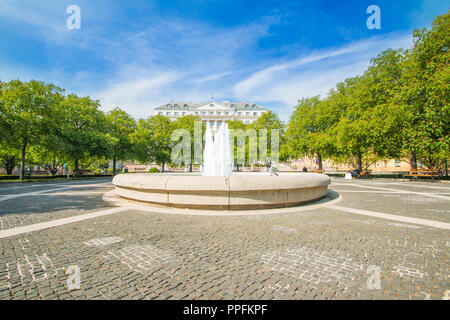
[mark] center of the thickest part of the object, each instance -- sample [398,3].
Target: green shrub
[154,170]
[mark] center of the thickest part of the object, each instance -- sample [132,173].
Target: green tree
[27,108]
[152,140]
[239,142]
[308,132]
[120,126]
[271,122]
[9,157]
[188,123]
[82,133]
[424,96]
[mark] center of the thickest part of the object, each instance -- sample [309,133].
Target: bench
[365,173]
[423,173]
[29,174]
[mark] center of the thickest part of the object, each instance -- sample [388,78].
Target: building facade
[213,113]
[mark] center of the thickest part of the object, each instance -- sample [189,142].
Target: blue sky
[141,54]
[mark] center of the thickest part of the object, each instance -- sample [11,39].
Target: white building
[214,113]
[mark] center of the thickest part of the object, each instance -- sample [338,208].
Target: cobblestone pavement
[324,253]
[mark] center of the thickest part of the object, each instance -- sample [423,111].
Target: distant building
[214,113]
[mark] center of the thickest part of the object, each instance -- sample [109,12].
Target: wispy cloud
[162,57]
[314,73]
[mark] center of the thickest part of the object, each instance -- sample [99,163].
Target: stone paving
[320,253]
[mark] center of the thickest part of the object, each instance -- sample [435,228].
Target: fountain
[217,188]
[217,155]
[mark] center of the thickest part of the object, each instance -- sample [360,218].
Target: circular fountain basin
[238,192]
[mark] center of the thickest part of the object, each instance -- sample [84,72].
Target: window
[247,113]
[211,105]
[169,106]
[247,122]
[175,114]
[247,106]
[196,113]
[255,113]
[184,113]
[219,123]
[204,113]
[160,113]
[176,106]
[227,113]
[233,106]
[219,113]
[185,106]
[167,113]
[239,113]
[211,113]
[254,106]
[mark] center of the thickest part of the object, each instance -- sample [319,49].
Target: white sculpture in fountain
[217,160]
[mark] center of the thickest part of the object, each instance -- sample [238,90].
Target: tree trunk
[22,165]
[190,167]
[55,168]
[359,162]
[162,166]
[446,167]
[237,167]
[114,165]
[10,163]
[77,167]
[413,160]
[319,160]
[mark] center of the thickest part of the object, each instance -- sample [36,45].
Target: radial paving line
[423,222]
[407,184]
[396,190]
[13,196]
[56,223]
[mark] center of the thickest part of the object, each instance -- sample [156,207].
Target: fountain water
[217,160]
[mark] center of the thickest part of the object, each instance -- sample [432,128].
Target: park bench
[423,173]
[365,174]
[29,174]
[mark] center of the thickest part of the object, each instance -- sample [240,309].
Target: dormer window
[233,106]
[185,106]
[169,106]
[176,106]
[247,106]
[254,106]
[211,105]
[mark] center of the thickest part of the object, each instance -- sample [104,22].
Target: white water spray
[217,160]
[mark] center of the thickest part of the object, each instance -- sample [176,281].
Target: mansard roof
[196,105]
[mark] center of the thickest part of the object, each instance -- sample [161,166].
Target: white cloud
[315,73]
[137,96]
[184,60]
[280,84]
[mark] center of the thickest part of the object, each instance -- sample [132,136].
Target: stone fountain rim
[242,192]
[236,183]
